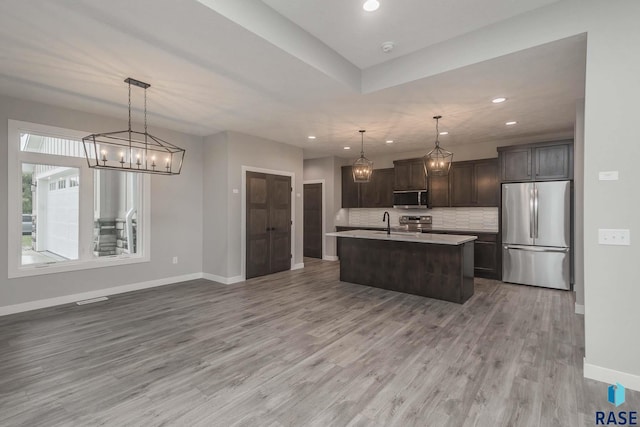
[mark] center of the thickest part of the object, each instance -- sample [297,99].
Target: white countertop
[438,239]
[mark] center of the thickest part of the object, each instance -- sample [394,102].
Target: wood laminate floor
[301,348]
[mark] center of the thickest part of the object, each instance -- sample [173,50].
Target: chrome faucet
[388,219]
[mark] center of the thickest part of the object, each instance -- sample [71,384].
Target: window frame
[86,259]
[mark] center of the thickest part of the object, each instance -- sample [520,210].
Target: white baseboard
[67,299]
[330,258]
[297,266]
[610,376]
[579,308]
[222,279]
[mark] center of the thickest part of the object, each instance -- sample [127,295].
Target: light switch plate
[617,237]
[608,176]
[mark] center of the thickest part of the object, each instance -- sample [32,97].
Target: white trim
[322,210]
[85,260]
[68,299]
[221,279]
[243,214]
[330,258]
[611,376]
[298,266]
[579,308]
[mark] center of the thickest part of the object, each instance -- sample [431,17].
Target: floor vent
[92,300]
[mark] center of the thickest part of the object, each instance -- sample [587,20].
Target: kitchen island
[432,265]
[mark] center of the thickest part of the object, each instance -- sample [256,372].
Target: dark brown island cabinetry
[441,271]
[545,161]
[378,193]
[409,174]
[486,253]
[472,183]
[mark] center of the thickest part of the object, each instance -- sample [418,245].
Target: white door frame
[324,216]
[243,217]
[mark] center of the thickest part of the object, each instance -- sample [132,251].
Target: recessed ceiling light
[371,5]
[444,133]
[311,137]
[498,100]
[511,123]
[389,141]
[347,148]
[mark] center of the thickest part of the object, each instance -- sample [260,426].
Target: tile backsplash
[448,218]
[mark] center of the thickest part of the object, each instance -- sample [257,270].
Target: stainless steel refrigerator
[536,234]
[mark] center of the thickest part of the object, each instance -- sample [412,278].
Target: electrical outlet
[175,259]
[618,237]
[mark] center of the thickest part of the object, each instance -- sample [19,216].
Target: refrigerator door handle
[531,213]
[535,249]
[535,212]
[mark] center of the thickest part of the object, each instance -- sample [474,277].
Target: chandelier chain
[145,111]
[129,107]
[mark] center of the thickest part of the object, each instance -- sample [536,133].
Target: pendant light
[133,151]
[437,161]
[362,168]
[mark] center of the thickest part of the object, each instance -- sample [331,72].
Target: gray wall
[215,195]
[225,155]
[612,291]
[578,194]
[176,213]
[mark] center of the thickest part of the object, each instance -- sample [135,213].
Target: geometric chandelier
[133,151]
[362,168]
[437,162]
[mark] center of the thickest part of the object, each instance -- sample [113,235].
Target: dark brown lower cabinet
[268,224]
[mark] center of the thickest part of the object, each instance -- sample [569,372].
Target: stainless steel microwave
[410,199]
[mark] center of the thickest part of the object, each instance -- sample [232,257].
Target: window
[73,217]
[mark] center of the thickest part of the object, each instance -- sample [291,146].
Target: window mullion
[85,232]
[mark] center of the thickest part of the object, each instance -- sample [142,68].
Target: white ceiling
[214,70]
[411,24]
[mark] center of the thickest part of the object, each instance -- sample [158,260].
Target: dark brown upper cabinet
[378,193]
[409,175]
[545,161]
[474,183]
[438,191]
[350,189]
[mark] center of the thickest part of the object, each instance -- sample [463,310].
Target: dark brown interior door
[279,197]
[268,224]
[313,220]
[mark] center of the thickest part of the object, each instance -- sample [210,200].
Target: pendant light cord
[362,143]
[437,133]
[129,107]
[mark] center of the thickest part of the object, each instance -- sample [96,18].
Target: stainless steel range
[415,223]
